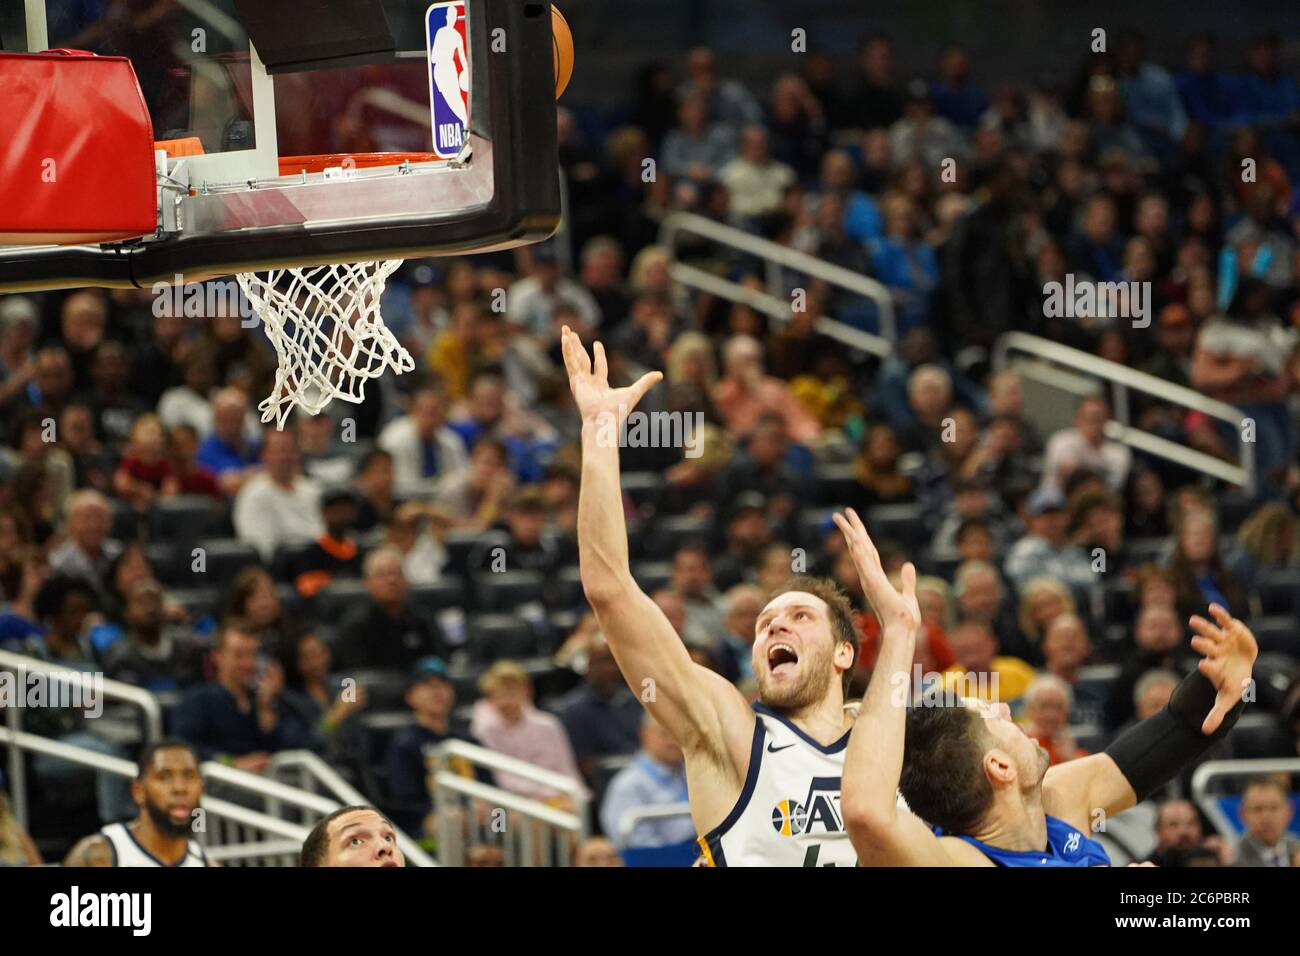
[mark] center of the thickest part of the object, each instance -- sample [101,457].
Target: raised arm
[688,700]
[881,832]
[1202,710]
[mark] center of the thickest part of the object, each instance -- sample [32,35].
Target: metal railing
[1217,769]
[1124,380]
[774,303]
[89,683]
[529,832]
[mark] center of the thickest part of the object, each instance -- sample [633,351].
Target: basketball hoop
[324,321]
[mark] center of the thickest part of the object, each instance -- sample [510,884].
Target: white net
[325,325]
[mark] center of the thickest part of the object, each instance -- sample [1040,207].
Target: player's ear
[998,766]
[843,657]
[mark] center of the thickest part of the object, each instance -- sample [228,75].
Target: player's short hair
[943,778]
[843,630]
[315,849]
[164,743]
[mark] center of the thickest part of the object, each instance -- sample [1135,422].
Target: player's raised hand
[894,608]
[1229,651]
[589,381]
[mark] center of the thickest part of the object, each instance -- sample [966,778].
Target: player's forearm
[602,528]
[873,762]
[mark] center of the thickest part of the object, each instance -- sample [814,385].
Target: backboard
[346,77]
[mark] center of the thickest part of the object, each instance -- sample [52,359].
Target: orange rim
[293,165]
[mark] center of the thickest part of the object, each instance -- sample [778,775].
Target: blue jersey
[1066,846]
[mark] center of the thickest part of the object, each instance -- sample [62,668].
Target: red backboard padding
[76,150]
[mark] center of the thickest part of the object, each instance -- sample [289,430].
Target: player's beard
[163,821]
[814,677]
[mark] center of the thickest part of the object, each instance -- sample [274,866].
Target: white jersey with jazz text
[128,852]
[788,813]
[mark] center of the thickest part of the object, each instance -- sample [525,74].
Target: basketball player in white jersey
[167,789]
[763,780]
[447,45]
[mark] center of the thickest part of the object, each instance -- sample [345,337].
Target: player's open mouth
[781,658]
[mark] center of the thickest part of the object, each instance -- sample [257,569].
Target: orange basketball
[563,49]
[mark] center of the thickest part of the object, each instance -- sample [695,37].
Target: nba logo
[446,40]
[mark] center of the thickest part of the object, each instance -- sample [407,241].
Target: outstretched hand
[589,381]
[894,608]
[1230,650]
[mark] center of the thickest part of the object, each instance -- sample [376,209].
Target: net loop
[325,325]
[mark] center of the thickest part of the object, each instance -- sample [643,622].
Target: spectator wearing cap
[384,630]
[506,721]
[656,776]
[424,449]
[602,717]
[1266,813]
[333,554]
[280,505]
[227,451]
[431,698]
[747,537]
[1086,447]
[745,393]
[1046,550]
[19,322]
[151,652]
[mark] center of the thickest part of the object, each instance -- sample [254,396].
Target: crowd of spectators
[415,553]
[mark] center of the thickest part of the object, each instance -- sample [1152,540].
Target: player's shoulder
[93,850]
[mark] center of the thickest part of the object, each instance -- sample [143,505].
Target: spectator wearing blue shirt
[906,264]
[1098,249]
[226,451]
[956,99]
[241,717]
[431,696]
[1150,95]
[1267,96]
[602,717]
[1208,94]
[655,777]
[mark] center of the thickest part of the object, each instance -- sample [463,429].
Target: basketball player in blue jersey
[983,786]
[763,779]
[167,788]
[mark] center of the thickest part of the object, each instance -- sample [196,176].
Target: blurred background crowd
[422,545]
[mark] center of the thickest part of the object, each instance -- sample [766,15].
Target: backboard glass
[230,209]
